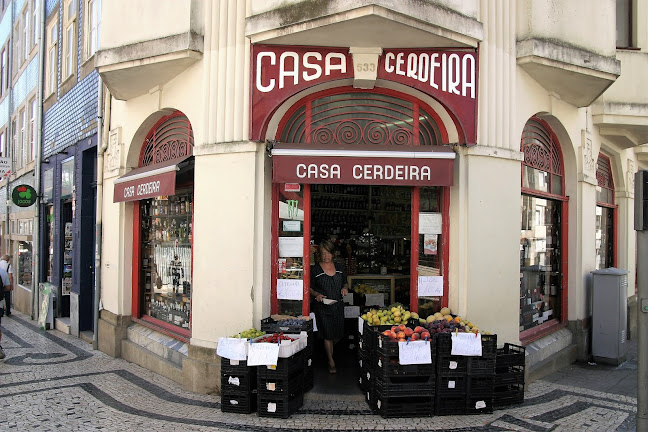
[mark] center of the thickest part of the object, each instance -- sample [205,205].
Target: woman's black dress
[329,318]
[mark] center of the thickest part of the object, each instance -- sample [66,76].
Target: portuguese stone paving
[51,381]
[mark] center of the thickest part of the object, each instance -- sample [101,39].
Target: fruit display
[365,289]
[275,338]
[292,322]
[402,333]
[444,322]
[393,314]
[249,334]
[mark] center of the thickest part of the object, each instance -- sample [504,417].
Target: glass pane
[556,185]
[540,267]
[166,258]
[48,185]
[623,17]
[430,245]
[67,178]
[604,237]
[535,179]
[25,264]
[291,247]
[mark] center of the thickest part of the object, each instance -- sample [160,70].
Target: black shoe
[8,313]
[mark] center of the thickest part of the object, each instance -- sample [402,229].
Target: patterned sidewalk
[51,381]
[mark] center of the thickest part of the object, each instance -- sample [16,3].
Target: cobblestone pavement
[52,381]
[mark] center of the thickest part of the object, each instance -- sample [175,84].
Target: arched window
[170,138]
[605,214]
[360,117]
[543,236]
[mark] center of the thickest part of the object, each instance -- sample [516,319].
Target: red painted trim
[136,310]
[445,232]
[564,255]
[615,224]
[153,130]
[307,232]
[547,195]
[538,332]
[414,247]
[164,328]
[274,249]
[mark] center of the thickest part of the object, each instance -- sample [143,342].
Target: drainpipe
[102,135]
[33,296]
[10,135]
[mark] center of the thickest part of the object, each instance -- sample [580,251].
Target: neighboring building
[71,88]
[20,113]
[502,136]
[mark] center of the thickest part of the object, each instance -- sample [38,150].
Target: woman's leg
[328,346]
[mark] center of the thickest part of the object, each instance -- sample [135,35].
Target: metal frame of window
[606,181]
[296,126]
[541,150]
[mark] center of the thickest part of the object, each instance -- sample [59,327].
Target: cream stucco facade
[531,63]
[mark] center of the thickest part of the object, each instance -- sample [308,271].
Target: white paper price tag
[480,404]
[360,325]
[232,348]
[451,384]
[263,354]
[453,365]
[272,407]
[466,344]
[414,352]
[270,386]
[234,381]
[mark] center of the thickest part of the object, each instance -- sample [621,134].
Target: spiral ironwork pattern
[171,138]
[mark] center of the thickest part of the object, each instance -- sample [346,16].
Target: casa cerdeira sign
[23,195]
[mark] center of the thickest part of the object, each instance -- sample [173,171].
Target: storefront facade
[473,168]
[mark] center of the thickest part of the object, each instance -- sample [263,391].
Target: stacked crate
[509,375]
[280,388]
[269,325]
[395,390]
[238,387]
[481,378]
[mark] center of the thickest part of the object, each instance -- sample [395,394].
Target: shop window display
[605,209]
[166,258]
[290,275]
[25,264]
[430,257]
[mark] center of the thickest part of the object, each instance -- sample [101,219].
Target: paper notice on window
[291,247]
[414,352]
[375,300]
[430,286]
[232,348]
[360,325]
[466,344]
[430,244]
[351,311]
[290,289]
[430,223]
[263,354]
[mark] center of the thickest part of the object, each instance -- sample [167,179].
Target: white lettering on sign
[391,172]
[458,75]
[148,188]
[315,171]
[129,191]
[308,68]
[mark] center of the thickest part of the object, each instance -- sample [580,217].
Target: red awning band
[148,182]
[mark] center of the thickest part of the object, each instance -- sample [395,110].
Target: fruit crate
[424,386]
[444,344]
[481,385]
[476,405]
[484,365]
[451,385]
[270,325]
[509,375]
[511,355]
[288,348]
[364,381]
[450,405]
[387,346]
[238,381]
[410,406]
[370,336]
[278,406]
[285,368]
[389,366]
[236,367]
[281,386]
[239,402]
[451,365]
[511,394]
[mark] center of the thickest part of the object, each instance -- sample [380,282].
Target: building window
[69,40]
[26,34]
[605,214]
[624,23]
[20,144]
[33,111]
[3,144]
[67,178]
[4,78]
[542,282]
[34,23]
[93,25]
[25,262]
[14,141]
[52,51]
[17,52]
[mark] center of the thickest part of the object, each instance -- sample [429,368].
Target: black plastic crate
[451,385]
[444,344]
[511,355]
[476,404]
[450,405]
[389,366]
[481,385]
[281,386]
[278,406]
[387,346]
[239,402]
[511,394]
[239,381]
[484,365]
[364,382]
[285,368]
[509,375]
[405,386]
[269,325]
[410,406]
[236,367]
[370,336]
[451,365]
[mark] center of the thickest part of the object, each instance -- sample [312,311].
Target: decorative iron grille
[540,148]
[170,138]
[604,172]
[361,118]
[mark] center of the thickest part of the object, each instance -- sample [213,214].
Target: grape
[249,334]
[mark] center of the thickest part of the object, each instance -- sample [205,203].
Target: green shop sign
[24,195]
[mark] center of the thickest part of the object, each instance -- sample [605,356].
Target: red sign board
[449,76]
[145,187]
[362,170]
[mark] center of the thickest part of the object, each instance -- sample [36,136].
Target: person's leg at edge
[2,354]
[7,297]
[328,346]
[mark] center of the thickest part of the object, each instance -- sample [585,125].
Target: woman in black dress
[329,281]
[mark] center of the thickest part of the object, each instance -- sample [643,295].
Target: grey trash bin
[609,315]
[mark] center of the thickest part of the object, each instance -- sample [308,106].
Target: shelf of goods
[384,284]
